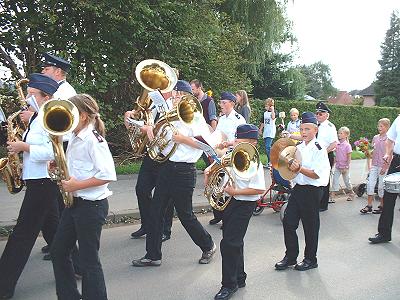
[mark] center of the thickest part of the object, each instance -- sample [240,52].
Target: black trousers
[389,201]
[236,219]
[83,223]
[37,204]
[303,204]
[176,182]
[325,196]
[145,184]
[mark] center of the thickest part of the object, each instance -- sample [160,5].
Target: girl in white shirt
[91,168]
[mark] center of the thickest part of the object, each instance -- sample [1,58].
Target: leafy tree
[318,80]
[388,77]
[389,101]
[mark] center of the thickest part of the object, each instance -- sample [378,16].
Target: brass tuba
[152,75]
[11,166]
[187,110]
[244,160]
[59,117]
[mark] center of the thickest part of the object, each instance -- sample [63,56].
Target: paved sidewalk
[124,201]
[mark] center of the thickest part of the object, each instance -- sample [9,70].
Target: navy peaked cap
[228,96]
[247,131]
[183,86]
[322,107]
[55,61]
[43,83]
[308,117]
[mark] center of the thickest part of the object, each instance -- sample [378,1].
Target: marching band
[168,131]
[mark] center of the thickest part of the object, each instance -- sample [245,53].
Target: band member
[227,124]
[236,217]
[91,168]
[389,199]
[175,183]
[40,190]
[304,200]
[57,68]
[146,182]
[327,138]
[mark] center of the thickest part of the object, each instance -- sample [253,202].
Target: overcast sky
[344,34]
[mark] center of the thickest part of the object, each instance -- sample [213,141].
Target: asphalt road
[349,267]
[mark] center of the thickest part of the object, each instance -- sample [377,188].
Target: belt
[86,200]
[38,181]
[179,163]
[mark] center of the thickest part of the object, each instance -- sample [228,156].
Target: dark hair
[86,103]
[197,83]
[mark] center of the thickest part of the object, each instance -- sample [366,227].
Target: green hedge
[362,121]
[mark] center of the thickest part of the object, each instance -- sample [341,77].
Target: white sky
[344,34]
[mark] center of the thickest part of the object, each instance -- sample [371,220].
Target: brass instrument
[152,75]
[283,153]
[11,166]
[187,110]
[244,160]
[59,117]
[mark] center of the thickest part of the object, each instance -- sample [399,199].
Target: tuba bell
[58,118]
[152,75]
[244,160]
[187,110]
[11,166]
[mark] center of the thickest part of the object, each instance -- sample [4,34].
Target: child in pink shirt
[378,169]
[342,164]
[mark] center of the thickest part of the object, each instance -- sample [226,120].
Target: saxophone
[11,166]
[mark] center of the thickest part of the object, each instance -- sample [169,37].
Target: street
[349,267]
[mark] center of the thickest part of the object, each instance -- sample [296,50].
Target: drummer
[389,197]
[303,204]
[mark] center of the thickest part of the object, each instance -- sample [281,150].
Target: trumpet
[59,117]
[244,160]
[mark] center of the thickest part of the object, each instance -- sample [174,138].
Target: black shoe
[165,237]
[241,284]
[6,295]
[46,249]
[47,257]
[285,263]
[214,221]
[379,238]
[225,293]
[323,209]
[305,265]
[146,262]
[139,233]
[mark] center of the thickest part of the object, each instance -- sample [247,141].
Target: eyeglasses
[319,113]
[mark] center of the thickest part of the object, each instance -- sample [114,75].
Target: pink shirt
[343,148]
[378,143]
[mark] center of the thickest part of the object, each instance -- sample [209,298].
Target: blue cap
[183,86]
[43,83]
[228,96]
[322,107]
[55,61]
[308,117]
[247,131]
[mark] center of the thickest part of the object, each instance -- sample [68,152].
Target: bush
[362,121]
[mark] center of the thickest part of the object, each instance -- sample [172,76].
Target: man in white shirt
[327,138]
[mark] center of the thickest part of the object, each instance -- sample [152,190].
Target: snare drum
[391,183]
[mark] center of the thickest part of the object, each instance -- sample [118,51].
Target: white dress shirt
[327,134]
[40,152]
[393,134]
[256,182]
[64,91]
[88,156]
[228,124]
[315,159]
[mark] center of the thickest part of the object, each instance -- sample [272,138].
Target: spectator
[242,105]
[267,126]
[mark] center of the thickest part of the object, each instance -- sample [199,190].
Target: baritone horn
[58,118]
[152,75]
[244,160]
[187,111]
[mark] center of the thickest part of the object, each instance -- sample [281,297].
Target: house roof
[369,91]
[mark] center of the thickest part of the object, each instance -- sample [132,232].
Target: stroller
[275,196]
